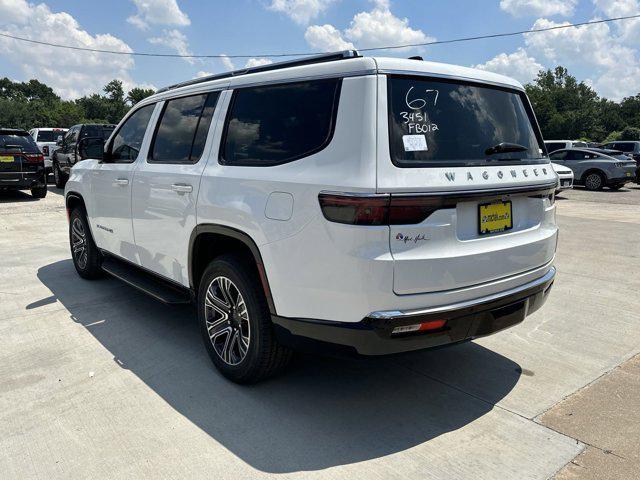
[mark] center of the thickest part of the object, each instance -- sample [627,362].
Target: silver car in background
[596,168]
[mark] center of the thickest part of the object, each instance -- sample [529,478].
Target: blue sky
[606,56]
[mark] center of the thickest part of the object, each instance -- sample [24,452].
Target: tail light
[45,150]
[33,157]
[379,209]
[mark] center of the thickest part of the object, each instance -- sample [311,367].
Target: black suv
[67,154]
[21,163]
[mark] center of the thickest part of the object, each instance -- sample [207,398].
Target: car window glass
[46,136]
[275,124]
[558,156]
[624,147]
[127,142]
[183,128]
[15,142]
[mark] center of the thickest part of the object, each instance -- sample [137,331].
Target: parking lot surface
[100,381]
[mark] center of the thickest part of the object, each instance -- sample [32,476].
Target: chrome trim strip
[391,314]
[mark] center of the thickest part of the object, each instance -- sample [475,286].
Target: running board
[146,282]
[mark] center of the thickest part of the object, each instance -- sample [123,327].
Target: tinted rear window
[435,122]
[47,136]
[274,124]
[17,142]
[624,147]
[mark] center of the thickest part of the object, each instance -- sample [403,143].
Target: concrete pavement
[97,380]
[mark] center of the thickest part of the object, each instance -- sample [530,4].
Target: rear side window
[99,131]
[127,142]
[552,147]
[182,130]
[12,142]
[558,155]
[275,124]
[624,147]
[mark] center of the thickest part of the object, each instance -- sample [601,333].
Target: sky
[605,56]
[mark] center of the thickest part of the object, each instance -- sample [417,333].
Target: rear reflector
[420,327]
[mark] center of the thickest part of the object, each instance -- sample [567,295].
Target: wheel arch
[591,170]
[74,199]
[223,239]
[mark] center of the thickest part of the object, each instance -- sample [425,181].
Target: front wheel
[235,322]
[594,181]
[84,252]
[59,178]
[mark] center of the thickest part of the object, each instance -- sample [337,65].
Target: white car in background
[46,139]
[553,145]
[566,176]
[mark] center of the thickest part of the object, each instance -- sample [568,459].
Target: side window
[72,135]
[127,142]
[182,129]
[558,156]
[275,124]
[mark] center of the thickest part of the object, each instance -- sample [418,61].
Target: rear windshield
[97,131]
[446,123]
[18,142]
[49,135]
[624,147]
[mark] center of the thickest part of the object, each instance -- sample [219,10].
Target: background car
[597,168]
[632,149]
[553,145]
[566,177]
[66,156]
[21,163]
[46,139]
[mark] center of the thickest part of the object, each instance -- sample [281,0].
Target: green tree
[565,107]
[137,94]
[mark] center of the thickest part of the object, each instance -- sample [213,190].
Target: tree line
[34,104]
[566,108]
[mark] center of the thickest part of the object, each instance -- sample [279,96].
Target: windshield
[445,123]
[18,142]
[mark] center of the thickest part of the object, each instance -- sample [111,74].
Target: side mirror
[90,147]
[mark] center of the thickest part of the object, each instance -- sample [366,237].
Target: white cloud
[175,40]
[252,62]
[257,62]
[629,29]
[521,8]
[158,12]
[518,65]
[378,27]
[202,73]
[326,38]
[70,73]
[614,64]
[301,11]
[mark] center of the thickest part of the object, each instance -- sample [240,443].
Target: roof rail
[323,58]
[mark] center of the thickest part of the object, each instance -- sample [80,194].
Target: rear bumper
[373,335]
[22,180]
[622,180]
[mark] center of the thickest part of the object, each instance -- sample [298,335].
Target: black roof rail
[323,58]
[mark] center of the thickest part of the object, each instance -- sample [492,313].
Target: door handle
[121,182]
[181,188]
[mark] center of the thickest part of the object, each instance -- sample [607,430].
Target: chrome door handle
[121,182]
[181,188]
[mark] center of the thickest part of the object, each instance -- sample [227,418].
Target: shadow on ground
[16,196]
[323,412]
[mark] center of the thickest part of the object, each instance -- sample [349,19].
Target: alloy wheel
[79,243]
[227,320]
[593,181]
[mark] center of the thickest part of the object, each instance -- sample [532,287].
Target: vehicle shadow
[323,412]
[55,190]
[16,196]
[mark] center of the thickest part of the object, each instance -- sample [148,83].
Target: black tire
[87,261]
[39,192]
[594,181]
[245,361]
[59,178]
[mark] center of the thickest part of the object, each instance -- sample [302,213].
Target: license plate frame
[501,225]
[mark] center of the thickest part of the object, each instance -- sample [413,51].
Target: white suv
[46,139]
[362,205]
